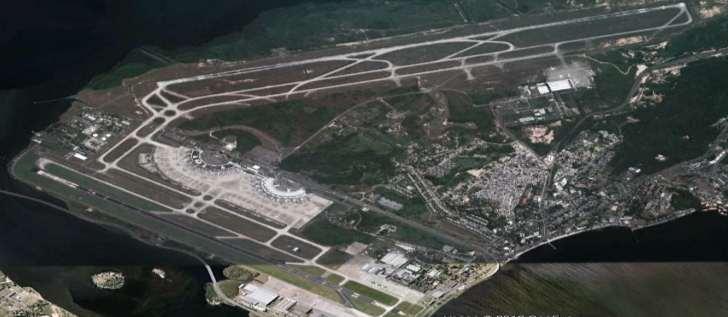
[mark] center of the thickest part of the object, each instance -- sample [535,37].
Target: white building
[559,85]
[256,297]
[394,258]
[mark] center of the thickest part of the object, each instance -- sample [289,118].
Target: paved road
[372,56]
[217,289]
[163,85]
[337,196]
[248,95]
[621,108]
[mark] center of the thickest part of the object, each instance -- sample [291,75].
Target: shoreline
[119,227]
[201,261]
[429,311]
[153,239]
[601,227]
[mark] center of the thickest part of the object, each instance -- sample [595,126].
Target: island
[385,177]
[108,280]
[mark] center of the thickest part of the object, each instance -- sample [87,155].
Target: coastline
[158,241]
[114,226]
[601,227]
[431,311]
[434,307]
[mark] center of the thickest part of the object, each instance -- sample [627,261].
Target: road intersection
[456,61]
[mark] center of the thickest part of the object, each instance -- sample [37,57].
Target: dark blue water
[64,43]
[699,237]
[51,49]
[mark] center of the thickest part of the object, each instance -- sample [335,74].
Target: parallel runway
[179,98]
[460,53]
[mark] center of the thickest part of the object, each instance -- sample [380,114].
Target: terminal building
[239,184]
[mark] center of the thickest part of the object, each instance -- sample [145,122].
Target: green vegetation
[370,292]
[485,97]
[358,158]
[210,294]
[474,159]
[371,222]
[298,281]
[229,288]
[413,125]
[322,231]
[106,190]
[411,207]
[313,25]
[134,64]
[238,273]
[121,72]
[418,107]
[462,109]
[714,34]
[366,306]
[405,309]
[246,141]
[465,163]
[288,122]
[311,270]
[451,179]
[410,101]
[682,199]
[611,85]
[334,278]
[333,258]
[679,127]
[25,168]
